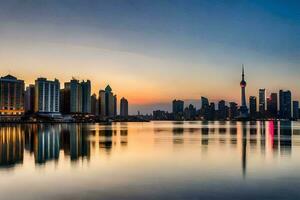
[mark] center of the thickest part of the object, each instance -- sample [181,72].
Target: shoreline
[146,121]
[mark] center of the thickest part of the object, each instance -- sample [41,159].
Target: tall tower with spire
[243,108]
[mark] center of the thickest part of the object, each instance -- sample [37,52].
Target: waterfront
[156,160]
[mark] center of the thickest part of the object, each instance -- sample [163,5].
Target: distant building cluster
[275,106]
[45,98]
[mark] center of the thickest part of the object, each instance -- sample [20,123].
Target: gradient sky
[152,51]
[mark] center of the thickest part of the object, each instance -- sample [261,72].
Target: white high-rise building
[47,96]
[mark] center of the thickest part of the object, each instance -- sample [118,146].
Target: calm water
[157,160]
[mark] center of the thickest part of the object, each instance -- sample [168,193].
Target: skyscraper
[262,101]
[94,105]
[212,111]
[75,96]
[272,105]
[285,104]
[233,110]
[47,95]
[78,94]
[189,112]
[29,99]
[222,115]
[252,106]
[123,107]
[65,100]
[177,108]
[107,102]
[295,110]
[243,108]
[11,96]
[115,105]
[86,96]
[204,111]
[102,103]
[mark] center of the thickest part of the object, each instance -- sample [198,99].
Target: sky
[154,51]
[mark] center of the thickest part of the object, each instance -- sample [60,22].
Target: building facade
[86,96]
[295,110]
[77,97]
[253,106]
[177,106]
[107,102]
[123,107]
[285,104]
[205,109]
[11,96]
[94,105]
[222,110]
[29,99]
[262,101]
[47,96]
[272,105]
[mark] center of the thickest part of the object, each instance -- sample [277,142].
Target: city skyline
[76,98]
[135,51]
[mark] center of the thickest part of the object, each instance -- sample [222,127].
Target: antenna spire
[243,71]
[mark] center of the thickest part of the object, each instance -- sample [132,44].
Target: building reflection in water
[105,140]
[124,137]
[204,134]
[11,145]
[178,131]
[244,148]
[285,137]
[47,142]
[76,138]
[233,133]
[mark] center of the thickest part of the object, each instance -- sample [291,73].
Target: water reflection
[49,142]
[11,146]
[46,141]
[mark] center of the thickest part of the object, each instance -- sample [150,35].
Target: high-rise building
[115,105]
[252,106]
[177,106]
[65,100]
[285,104]
[47,95]
[233,110]
[204,102]
[124,107]
[262,101]
[295,110]
[204,111]
[102,103]
[11,96]
[272,105]
[222,115]
[94,105]
[29,99]
[212,111]
[107,102]
[86,96]
[243,108]
[77,97]
[189,112]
